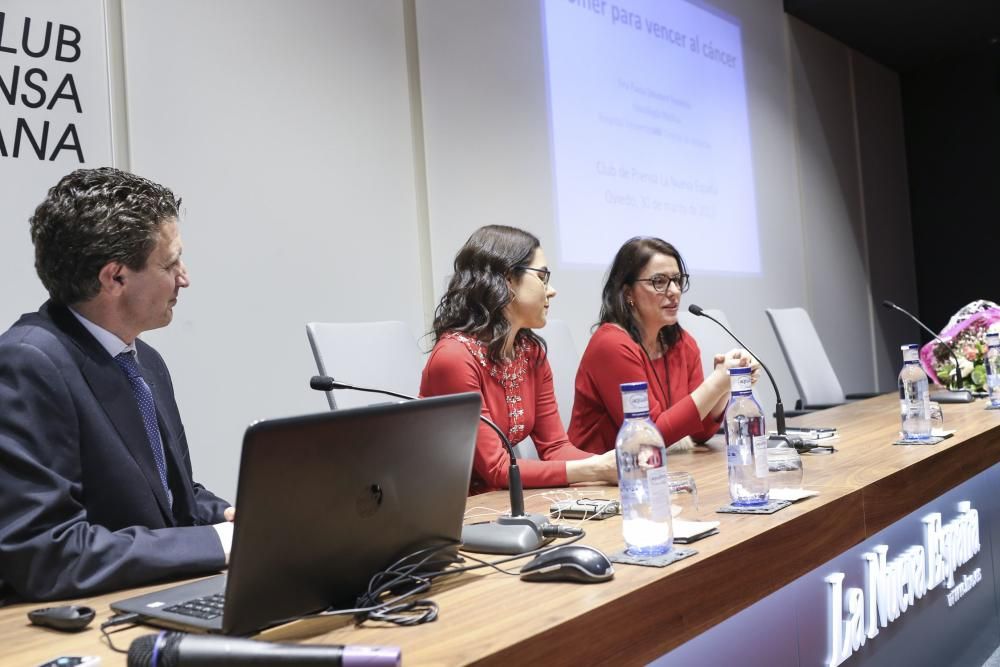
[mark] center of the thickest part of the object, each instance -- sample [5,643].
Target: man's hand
[229,513]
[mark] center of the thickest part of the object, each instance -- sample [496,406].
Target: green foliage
[979,376]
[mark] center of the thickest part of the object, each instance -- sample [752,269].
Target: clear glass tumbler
[683,494]
[784,468]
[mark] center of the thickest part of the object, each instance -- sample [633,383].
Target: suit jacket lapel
[114,393]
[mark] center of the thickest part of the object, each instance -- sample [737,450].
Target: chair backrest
[811,369]
[710,337]
[564,360]
[367,354]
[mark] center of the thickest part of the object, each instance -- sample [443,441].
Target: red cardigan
[613,358]
[517,396]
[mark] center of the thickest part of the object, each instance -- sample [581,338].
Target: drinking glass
[937,418]
[683,494]
[784,468]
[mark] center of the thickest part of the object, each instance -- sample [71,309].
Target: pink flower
[967,324]
[969,352]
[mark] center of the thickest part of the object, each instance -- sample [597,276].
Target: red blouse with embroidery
[517,396]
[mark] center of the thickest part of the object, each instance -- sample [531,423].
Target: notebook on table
[324,502]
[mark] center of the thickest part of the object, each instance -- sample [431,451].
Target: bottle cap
[635,399]
[740,380]
[633,386]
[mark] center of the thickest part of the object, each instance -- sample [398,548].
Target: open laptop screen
[325,501]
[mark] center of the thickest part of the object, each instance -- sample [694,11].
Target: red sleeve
[451,369]
[549,435]
[696,375]
[613,359]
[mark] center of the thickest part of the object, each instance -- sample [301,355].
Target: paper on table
[807,434]
[687,529]
[791,495]
[812,433]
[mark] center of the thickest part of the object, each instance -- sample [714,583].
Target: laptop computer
[324,502]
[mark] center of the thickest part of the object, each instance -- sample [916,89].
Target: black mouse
[69,618]
[572,562]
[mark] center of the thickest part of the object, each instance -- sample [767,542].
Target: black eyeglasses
[661,283]
[543,274]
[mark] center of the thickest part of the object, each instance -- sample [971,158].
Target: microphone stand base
[795,442]
[951,396]
[509,535]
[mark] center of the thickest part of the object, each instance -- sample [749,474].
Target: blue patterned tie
[144,398]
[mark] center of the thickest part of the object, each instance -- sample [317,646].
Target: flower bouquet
[966,331]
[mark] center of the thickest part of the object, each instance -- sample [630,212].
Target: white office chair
[564,360]
[368,354]
[710,337]
[811,369]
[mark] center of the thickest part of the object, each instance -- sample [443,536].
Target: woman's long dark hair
[478,291]
[625,268]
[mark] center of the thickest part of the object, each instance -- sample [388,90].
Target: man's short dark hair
[92,217]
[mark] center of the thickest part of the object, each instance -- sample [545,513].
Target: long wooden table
[489,618]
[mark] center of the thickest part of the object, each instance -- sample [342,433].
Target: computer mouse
[572,562]
[68,618]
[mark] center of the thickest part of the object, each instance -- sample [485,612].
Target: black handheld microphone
[177,649]
[327,383]
[779,408]
[512,533]
[952,395]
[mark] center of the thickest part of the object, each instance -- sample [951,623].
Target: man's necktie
[144,398]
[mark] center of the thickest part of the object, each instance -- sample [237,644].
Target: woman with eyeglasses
[638,339]
[484,343]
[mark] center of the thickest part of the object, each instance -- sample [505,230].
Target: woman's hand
[735,358]
[731,359]
[754,369]
[719,378]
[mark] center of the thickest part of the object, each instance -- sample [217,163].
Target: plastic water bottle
[642,477]
[993,368]
[746,443]
[914,396]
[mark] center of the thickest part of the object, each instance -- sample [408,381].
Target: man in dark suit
[96,489]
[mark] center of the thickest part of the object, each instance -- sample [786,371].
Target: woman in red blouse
[638,339]
[484,343]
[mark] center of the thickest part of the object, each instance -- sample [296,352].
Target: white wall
[834,250]
[852,172]
[286,129]
[886,202]
[330,169]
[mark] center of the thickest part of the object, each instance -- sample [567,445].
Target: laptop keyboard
[207,607]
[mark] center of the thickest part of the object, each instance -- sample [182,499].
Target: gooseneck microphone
[779,408]
[952,395]
[513,533]
[177,649]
